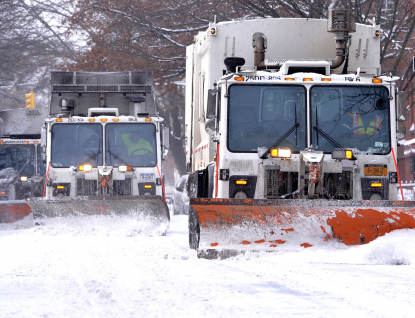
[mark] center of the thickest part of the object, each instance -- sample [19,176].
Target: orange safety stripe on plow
[305,245]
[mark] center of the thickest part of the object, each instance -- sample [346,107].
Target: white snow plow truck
[104,145]
[21,167]
[291,133]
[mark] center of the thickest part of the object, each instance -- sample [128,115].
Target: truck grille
[280,183]
[122,187]
[86,187]
[339,185]
[89,187]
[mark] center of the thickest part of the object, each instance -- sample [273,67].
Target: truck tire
[194,229]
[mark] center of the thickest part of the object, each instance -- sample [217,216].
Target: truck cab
[103,136]
[22,169]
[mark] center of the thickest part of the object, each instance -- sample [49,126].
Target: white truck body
[299,59]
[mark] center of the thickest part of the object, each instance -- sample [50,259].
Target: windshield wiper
[283,137]
[327,137]
[93,156]
[112,154]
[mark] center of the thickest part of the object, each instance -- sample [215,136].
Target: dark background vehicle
[180,197]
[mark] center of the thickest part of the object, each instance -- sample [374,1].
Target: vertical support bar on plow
[217,171]
[162,183]
[397,171]
[46,180]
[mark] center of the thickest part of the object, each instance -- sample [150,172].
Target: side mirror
[401,106]
[210,124]
[165,140]
[400,131]
[43,142]
[211,104]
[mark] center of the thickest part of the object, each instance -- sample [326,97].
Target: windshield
[76,144]
[260,115]
[18,160]
[130,144]
[352,117]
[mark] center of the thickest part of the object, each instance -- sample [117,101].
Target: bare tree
[32,40]
[152,35]
[147,35]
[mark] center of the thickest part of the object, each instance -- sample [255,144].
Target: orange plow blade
[15,214]
[12,211]
[152,209]
[271,225]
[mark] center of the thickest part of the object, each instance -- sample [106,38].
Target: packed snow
[116,267]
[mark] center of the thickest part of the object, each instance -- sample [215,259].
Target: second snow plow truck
[291,134]
[21,165]
[103,144]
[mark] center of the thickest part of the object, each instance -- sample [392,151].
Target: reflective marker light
[241,182]
[307,79]
[377,80]
[280,153]
[376,184]
[103,119]
[91,119]
[59,120]
[325,79]
[3,193]
[289,79]
[148,186]
[239,78]
[60,187]
[115,119]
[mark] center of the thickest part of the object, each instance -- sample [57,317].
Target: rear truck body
[22,169]
[103,144]
[291,135]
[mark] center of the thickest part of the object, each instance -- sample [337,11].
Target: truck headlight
[85,168]
[124,168]
[280,153]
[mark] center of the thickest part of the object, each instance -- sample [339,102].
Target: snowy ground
[106,268]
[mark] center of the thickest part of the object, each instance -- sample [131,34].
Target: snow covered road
[106,268]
